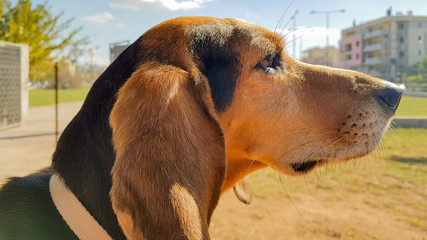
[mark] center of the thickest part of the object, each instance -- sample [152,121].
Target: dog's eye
[269,63]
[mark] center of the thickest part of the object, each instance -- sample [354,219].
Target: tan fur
[188,213]
[170,163]
[166,140]
[126,224]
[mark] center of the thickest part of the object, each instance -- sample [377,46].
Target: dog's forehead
[223,32]
[238,32]
[260,36]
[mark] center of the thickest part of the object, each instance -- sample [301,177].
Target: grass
[40,97]
[405,144]
[412,106]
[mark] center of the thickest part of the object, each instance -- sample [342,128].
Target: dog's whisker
[306,184]
[290,19]
[287,23]
[293,41]
[288,195]
[283,15]
[250,166]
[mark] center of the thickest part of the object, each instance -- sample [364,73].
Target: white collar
[74,213]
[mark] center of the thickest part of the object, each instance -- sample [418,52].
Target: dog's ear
[243,191]
[170,154]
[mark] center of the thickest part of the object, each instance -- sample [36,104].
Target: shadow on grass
[421,160]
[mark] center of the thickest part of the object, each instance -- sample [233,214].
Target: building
[328,56]
[14,83]
[117,48]
[385,47]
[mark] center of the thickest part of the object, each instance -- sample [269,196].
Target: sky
[109,21]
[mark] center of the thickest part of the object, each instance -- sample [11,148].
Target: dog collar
[74,213]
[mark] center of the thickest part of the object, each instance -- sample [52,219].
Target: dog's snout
[390,96]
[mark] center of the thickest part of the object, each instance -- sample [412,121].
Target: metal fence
[14,84]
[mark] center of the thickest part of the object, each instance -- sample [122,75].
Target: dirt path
[308,217]
[29,147]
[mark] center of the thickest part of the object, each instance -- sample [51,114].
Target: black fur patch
[215,45]
[85,155]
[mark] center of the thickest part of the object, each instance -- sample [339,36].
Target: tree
[41,30]
[422,66]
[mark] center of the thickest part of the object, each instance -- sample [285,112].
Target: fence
[14,83]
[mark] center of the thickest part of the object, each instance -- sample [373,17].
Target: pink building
[351,51]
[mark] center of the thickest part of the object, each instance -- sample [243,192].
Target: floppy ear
[170,155]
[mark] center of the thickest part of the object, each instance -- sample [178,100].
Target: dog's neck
[237,168]
[84,155]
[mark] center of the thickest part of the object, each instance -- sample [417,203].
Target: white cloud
[312,35]
[308,37]
[121,25]
[99,18]
[313,32]
[169,4]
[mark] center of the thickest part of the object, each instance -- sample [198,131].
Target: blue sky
[107,21]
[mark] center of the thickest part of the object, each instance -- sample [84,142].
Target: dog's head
[212,100]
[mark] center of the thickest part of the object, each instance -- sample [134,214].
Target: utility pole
[91,53]
[327,13]
[56,103]
[294,44]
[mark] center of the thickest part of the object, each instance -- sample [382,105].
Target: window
[402,54]
[402,39]
[357,56]
[419,38]
[419,24]
[357,43]
[420,53]
[401,26]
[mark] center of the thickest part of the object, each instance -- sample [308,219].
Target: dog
[180,117]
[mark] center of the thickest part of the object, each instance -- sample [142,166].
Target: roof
[384,19]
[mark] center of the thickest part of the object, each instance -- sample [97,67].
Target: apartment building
[328,56]
[385,47]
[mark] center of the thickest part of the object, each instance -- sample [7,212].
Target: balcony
[376,33]
[372,61]
[345,53]
[402,32]
[372,47]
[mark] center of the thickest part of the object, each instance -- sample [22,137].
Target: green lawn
[412,106]
[40,97]
[400,143]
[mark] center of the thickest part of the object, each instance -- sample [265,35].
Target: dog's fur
[182,115]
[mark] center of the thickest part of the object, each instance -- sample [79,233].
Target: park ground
[382,196]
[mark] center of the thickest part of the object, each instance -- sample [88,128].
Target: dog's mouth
[304,167]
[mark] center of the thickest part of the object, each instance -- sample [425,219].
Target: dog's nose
[389,96]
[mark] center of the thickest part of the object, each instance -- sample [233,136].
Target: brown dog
[202,102]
